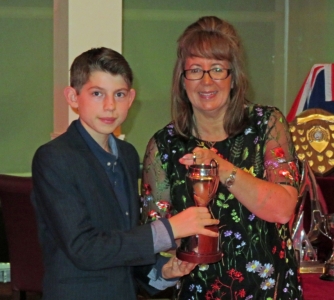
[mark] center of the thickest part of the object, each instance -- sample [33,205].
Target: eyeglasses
[215,73]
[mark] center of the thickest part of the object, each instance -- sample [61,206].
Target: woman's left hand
[176,268]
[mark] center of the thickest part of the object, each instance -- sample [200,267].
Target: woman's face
[208,95]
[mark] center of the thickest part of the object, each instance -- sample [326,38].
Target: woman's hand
[199,156]
[192,221]
[263,198]
[176,268]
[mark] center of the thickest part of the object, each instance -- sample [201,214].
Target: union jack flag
[317,91]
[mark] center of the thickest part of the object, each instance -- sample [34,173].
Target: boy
[85,194]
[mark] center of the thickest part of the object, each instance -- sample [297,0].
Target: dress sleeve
[280,160]
[155,186]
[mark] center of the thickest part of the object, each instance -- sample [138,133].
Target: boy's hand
[176,268]
[192,221]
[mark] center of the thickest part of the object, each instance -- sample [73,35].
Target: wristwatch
[231,179]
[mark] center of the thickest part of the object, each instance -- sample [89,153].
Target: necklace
[210,144]
[206,143]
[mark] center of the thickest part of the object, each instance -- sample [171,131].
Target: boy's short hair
[98,59]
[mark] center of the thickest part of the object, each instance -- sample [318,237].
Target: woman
[257,193]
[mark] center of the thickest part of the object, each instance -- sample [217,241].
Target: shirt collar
[93,145]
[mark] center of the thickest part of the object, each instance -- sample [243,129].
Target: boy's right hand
[176,268]
[192,221]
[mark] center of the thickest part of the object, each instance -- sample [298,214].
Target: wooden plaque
[313,136]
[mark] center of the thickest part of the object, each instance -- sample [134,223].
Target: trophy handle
[215,167]
[321,222]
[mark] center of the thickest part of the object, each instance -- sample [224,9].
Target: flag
[317,91]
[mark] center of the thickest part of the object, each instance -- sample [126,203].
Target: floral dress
[258,259]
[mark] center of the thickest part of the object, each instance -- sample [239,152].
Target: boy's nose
[109,103]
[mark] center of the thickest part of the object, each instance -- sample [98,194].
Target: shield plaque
[313,136]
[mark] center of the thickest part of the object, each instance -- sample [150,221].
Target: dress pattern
[258,259]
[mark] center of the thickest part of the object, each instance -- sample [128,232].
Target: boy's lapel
[101,177]
[130,169]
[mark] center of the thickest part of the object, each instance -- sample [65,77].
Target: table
[315,288]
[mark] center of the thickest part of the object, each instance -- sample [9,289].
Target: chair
[25,253]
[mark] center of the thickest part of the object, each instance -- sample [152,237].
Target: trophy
[202,183]
[328,230]
[304,241]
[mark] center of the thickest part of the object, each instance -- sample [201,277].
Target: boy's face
[102,104]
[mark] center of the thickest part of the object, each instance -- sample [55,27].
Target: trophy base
[311,267]
[198,258]
[328,273]
[327,277]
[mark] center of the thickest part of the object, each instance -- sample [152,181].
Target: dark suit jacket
[88,253]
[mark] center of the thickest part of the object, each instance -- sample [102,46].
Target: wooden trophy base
[200,249]
[198,258]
